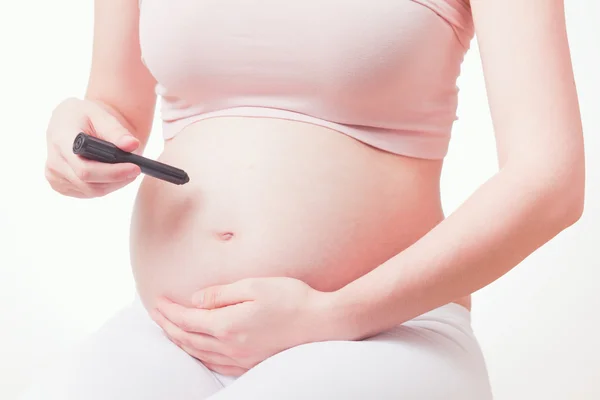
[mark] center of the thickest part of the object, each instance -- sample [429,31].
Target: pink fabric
[383,72]
[458,15]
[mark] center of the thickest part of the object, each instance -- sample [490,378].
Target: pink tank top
[383,72]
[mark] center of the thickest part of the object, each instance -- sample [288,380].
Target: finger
[61,185]
[91,171]
[127,142]
[81,172]
[208,356]
[67,189]
[73,192]
[102,189]
[186,318]
[91,189]
[181,337]
[226,369]
[106,126]
[224,295]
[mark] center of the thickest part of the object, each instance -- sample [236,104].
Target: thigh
[412,362]
[129,358]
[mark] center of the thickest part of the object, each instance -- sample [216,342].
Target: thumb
[107,126]
[223,295]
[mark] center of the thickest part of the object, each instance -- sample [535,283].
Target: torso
[270,197]
[341,175]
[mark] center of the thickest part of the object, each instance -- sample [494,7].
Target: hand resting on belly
[271,198]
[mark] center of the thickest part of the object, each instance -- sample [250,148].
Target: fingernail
[126,140]
[132,175]
[123,140]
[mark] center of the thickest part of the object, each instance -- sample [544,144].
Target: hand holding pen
[97,149]
[76,175]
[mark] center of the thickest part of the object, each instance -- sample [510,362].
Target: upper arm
[118,77]
[530,85]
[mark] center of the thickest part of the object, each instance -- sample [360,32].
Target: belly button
[225,236]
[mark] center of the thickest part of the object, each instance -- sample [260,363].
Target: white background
[64,262]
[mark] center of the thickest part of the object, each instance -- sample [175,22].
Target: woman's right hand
[72,175]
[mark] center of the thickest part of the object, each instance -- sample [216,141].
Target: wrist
[337,317]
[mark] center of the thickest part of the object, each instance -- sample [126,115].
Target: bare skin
[266,198]
[288,225]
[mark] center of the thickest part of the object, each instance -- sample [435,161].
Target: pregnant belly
[270,197]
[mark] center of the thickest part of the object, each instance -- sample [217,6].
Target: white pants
[434,356]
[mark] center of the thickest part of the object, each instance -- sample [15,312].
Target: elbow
[572,211]
[555,210]
[558,194]
[565,199]
[572,191]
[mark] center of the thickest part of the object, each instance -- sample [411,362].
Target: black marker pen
[93,148]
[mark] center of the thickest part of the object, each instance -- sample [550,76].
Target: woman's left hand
[231,328]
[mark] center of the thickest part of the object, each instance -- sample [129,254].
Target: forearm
[502,223]
[118,78]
